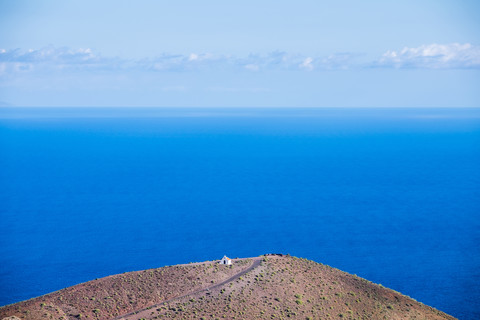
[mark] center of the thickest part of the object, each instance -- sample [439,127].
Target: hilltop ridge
[265,287]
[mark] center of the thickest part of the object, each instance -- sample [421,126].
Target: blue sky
[248,53]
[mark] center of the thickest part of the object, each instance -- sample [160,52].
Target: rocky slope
[267,287]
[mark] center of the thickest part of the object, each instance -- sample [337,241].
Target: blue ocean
[392,195]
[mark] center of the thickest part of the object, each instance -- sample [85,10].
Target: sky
[182,53]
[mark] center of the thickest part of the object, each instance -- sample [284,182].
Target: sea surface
[392,195]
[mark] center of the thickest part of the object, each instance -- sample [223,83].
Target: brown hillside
[270,287]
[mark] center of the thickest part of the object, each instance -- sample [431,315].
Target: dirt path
[256,262]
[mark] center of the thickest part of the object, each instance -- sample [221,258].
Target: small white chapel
[226,260]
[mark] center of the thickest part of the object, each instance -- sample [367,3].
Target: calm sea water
[390,195]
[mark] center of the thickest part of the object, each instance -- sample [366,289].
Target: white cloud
[307,63]
[340,61]
[66,60]
[179,62]
[276,60]
[193,57]
[50,55]
[50,59]
[434,56]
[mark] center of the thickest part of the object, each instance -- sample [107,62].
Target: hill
[266,287]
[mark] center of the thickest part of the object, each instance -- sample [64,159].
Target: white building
[226,260]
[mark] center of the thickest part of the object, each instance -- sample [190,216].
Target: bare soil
[267,287]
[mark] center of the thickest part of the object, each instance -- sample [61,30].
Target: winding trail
[256,262]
